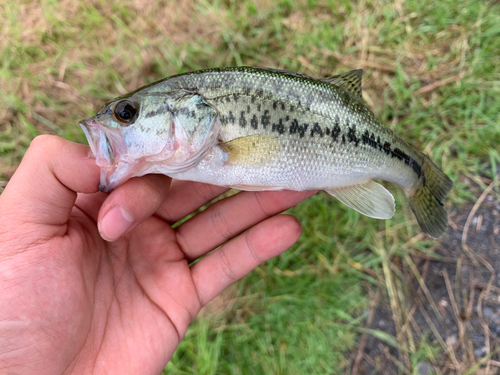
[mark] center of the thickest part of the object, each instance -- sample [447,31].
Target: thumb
[43,190]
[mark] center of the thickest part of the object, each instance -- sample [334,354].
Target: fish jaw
[112,155]
[98,142]
[116,175]
[110,150]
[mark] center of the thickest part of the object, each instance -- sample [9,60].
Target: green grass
[431,74]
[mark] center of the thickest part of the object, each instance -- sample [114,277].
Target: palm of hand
[138,304]
[102,303]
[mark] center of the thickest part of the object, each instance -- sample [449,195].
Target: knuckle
[155,190]
[219,222]
[43,146]
[206,192]
[251,250]
[226,264]
[265,208]
[143,195]
[45,141]
[185,245]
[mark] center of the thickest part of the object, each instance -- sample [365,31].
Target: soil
[467,320]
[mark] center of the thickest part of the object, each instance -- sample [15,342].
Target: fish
[260,129]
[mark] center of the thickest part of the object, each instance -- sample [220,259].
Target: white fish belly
[310,171]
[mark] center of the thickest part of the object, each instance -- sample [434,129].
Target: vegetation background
[354,295]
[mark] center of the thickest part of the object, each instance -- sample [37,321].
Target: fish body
[266,129]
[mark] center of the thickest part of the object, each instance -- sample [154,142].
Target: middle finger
[231,216]
[185,197]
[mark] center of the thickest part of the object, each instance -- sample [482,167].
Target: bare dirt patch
[456,303]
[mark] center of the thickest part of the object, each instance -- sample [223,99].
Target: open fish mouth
[98,142]
[109,149]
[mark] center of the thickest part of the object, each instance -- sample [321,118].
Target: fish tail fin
[426,199]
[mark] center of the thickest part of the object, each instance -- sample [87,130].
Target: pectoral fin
[252,150]
[369,198]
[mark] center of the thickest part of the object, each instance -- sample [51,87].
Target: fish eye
[125,112]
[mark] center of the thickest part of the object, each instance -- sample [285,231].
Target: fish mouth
[109,149]
[118,163]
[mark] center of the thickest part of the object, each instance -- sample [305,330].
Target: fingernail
[115,223]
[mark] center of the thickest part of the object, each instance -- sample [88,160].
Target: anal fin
[369,198]
[257,188]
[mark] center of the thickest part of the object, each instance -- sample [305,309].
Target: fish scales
[264,129]
[339,133]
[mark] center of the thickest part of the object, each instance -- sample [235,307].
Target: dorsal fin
[286,72]
[349,81]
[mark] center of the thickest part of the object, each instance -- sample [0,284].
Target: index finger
[43,190]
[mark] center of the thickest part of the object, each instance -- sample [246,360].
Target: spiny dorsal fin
[286,72]
[349,81]
[369,198]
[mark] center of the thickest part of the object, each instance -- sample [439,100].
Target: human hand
[71,302]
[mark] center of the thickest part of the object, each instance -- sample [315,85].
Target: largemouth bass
[266,129]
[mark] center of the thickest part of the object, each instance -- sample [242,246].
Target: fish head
[150,133]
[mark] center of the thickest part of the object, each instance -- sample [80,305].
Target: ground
[431,74]
[460,300]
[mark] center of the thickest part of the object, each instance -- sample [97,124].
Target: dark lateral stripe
[316,129]
[295,127]
[415,166]
[279,127]
[347,133]
[369,139]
